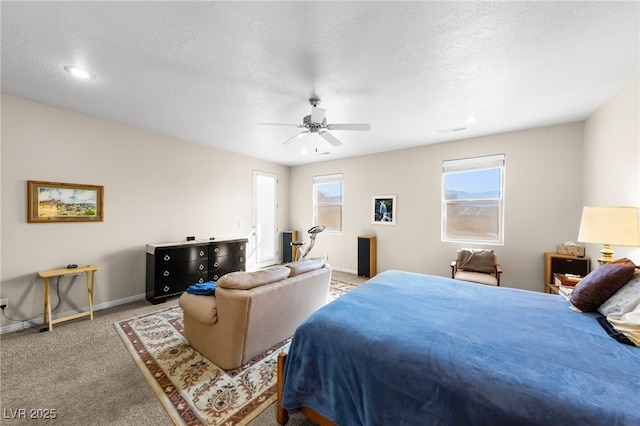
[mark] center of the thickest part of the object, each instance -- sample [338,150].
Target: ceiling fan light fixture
[316,123]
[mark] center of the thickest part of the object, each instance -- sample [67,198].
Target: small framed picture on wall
[384,210]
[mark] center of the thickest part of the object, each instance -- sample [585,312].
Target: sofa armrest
[204,309]
[454,268]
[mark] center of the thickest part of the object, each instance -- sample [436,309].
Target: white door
[265,229]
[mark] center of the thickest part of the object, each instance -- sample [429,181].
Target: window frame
[324,179]
[474,164]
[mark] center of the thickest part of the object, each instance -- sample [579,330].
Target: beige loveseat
[253,311]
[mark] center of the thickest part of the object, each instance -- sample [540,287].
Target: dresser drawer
[182,254]
[228,249]
[569,266]
[234,262]
[177,284]
[167,271]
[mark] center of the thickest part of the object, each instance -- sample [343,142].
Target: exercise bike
[301,254]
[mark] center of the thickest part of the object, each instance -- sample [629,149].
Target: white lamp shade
[610,225]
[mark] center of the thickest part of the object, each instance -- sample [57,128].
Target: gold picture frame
[64,202]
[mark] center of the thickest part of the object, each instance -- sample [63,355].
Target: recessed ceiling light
[79,72]
[471,119]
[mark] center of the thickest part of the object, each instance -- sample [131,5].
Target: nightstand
[556,263]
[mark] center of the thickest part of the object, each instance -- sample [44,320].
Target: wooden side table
[555,263]
[90,272]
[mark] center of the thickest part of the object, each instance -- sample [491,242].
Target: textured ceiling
[209,72]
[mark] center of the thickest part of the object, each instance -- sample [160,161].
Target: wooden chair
[478,266]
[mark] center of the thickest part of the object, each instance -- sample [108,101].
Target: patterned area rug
[193,390]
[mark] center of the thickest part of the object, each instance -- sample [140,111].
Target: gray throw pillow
[477,260]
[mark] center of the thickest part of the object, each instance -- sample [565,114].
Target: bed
[407,349]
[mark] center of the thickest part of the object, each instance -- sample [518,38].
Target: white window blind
[473,199]
[327,201]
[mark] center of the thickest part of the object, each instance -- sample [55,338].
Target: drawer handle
[201,267]
[166,289]
[215,264]
[215,250]
[201,280]
[242,259]
[215,277]
[166,273]
[201,252]
[167,257]
[241,247]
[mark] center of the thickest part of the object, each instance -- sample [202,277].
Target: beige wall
[612,158]
[157,189]
[542,208]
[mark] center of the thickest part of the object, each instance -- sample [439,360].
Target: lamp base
[607,255]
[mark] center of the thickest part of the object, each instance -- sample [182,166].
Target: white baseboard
[98,307]
[349,271]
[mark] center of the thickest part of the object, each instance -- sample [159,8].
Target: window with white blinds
[473,200]
[327,202]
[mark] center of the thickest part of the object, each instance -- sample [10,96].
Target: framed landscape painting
[384,209]
[64,202]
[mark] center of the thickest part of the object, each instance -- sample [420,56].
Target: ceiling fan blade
[349,127]
[296,137]
[330,138]
[317,114]
[282,124]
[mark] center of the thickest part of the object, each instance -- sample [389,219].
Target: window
[472,205]
[327,202]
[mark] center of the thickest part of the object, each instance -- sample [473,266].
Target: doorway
[265,214]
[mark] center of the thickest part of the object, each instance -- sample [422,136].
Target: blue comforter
[411,349]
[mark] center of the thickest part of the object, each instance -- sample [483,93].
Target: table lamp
[616,226]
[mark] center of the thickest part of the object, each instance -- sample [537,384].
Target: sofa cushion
[302,266]
[245,280]
[477,277]
[202,308]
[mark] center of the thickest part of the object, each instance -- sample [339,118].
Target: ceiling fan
[317,123]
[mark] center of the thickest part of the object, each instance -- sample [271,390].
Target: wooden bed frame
[282,415]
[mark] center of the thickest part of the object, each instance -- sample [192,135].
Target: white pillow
[628,324]
[624,300]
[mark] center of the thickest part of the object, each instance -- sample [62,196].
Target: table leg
[46,294]
[47,305]
[91,276]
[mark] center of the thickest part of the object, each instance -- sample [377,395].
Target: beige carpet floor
[83,371]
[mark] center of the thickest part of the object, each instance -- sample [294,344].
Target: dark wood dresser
[172,267]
